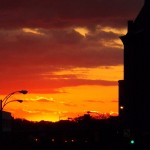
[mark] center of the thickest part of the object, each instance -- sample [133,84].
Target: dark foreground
[85,133]
[19,143]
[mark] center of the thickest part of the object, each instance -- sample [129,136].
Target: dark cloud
[59,48]
[52,44]
[58,13]
[53,86]
[26,58]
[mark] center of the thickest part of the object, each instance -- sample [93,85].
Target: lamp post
[5,101]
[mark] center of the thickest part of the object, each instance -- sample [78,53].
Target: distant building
[134,91]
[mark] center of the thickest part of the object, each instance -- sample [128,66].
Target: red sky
[66,53]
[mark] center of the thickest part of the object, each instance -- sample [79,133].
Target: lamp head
[23,91]
[20,101]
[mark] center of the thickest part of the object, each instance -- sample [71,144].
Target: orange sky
[69,61]
[71,101]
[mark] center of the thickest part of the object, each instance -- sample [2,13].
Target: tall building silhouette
[134,90]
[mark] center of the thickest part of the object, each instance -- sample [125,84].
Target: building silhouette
[134,91]
[6,122]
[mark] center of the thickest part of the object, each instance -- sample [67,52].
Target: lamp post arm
[6,98]
[2,107]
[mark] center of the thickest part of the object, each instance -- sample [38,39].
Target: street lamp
[5,101]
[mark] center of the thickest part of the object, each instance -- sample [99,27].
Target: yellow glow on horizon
[81,30]
[43,117]
[75,99]
[66,105]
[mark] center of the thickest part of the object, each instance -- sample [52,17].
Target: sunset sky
[66,53]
